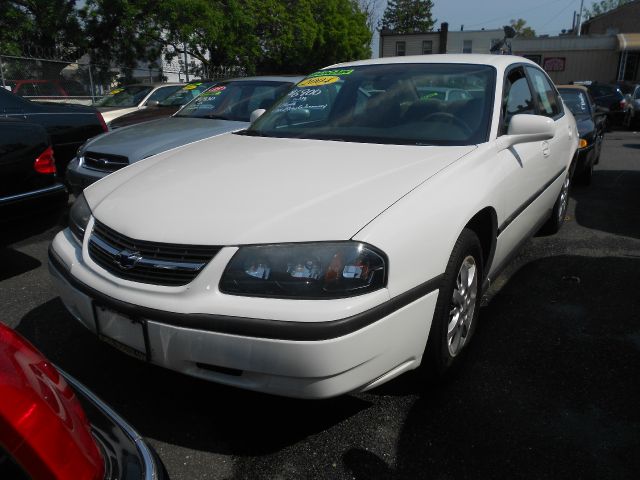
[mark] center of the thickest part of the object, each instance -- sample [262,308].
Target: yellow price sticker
[318,81]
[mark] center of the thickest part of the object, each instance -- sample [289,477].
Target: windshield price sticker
[116,90]
[191,86]
[318,81]
[338,72]
[305,92]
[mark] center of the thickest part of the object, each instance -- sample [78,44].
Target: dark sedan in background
[223,108]
[166,107]
[28,183]
[609,97]
[69,126]
[590,120]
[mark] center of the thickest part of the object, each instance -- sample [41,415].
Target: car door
[524,170]
[555,150]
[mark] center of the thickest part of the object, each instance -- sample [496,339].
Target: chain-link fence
[85,83]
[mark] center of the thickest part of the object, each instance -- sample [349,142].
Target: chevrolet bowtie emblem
[127,259]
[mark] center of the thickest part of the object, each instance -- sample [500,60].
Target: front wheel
[457,307]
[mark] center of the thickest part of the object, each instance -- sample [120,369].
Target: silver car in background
[632,114]
[122,100]
[223,108]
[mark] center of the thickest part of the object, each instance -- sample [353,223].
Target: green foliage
[408,16]
[263,36]
[598,8]
[45,28]
[520,26]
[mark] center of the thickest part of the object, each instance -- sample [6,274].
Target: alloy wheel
[463,304]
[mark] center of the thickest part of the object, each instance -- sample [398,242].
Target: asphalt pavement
[550,388]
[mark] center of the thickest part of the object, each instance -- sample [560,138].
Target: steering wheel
[450,119]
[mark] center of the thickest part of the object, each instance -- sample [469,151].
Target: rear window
[604,90]
[576,101]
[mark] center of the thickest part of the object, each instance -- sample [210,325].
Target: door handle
[545,148]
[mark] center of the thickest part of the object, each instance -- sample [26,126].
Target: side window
[401,48]
[162,93]
[545,93]
[517,97]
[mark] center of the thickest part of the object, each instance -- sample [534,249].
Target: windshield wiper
[213,116]
[251,133]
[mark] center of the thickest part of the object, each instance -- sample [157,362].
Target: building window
[467,46]
[401,49]
[427,47]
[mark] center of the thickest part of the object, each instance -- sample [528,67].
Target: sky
[544,16]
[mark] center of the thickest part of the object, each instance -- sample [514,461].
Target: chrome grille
[105,162]
[147,262]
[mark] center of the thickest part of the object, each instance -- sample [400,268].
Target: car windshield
[185,94]
[235,100]
[129,96]
[408,104]
[576,100]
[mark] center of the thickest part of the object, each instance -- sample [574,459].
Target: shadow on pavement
[611,204]
[15,263]
[174,408]
[549,388]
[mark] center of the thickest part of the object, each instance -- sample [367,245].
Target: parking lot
[550,387]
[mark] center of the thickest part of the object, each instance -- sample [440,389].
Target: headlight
[305,270]
[80,153]
[79,217]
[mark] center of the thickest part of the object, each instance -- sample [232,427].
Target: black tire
[438,358]
[559,211]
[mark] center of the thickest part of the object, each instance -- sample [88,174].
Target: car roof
[154,85]
[572,87]
[498,61]
[266,78]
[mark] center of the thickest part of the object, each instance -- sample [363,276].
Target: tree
[408,16]
[598,8]
[521,29]
[41,28]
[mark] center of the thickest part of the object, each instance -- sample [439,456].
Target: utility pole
[580,18]
[186,65]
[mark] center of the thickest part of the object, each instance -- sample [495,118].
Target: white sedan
[342,239]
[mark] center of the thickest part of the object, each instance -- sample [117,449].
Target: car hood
[144,115]
[149,138]
[235,189]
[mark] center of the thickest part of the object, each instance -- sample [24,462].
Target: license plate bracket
[124,332]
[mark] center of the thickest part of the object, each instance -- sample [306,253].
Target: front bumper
[377,341]
[585,157]
[126,453]
[79,177]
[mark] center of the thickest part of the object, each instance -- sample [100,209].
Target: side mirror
[525,128]
[256,114]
